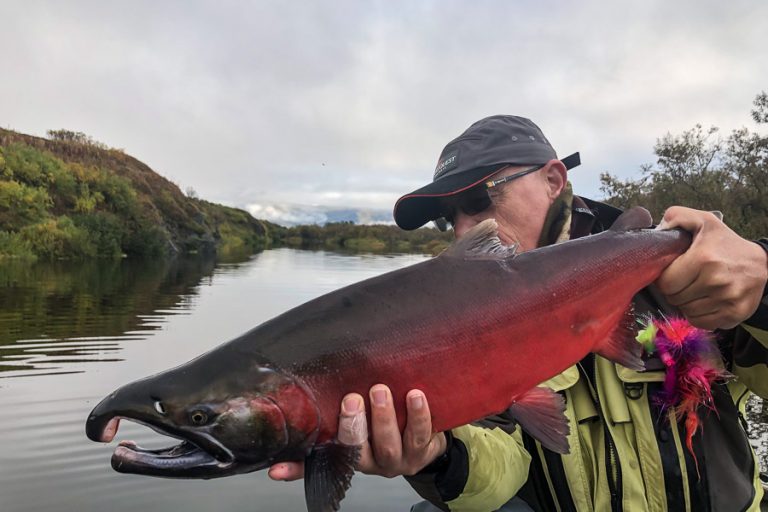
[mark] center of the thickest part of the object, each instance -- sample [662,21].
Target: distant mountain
[295,215]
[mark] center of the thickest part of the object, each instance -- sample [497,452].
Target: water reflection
[81,331]
[56,314]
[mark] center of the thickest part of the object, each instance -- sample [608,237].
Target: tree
[700,170]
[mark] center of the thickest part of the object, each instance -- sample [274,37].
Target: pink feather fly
[693,364]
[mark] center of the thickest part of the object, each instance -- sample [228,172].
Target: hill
[71,197]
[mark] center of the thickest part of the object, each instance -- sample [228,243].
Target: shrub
[21,204]
[365,244]
[105,233]
[58,238]
[13,245]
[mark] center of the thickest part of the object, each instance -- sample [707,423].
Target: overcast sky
[350,103]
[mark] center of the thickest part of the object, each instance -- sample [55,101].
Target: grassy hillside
[71,197]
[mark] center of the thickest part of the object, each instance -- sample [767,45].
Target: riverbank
[70,197]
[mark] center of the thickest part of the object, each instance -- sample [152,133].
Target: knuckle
[386,455]
[419,441]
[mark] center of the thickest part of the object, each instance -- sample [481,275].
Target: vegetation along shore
[70,197]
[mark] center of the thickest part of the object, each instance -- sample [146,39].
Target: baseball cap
[485,148]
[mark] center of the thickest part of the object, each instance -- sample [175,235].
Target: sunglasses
[475,200]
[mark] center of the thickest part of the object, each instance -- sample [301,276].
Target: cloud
[293,102]
[287,215]
[296,214]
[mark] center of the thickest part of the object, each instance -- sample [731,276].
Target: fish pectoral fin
[328,473]
[541,413]
[621,346]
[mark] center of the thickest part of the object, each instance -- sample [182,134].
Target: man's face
[520,207]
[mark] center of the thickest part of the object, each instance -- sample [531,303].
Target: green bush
[365,244]
[30,166]
[105,233]
[21,204]
[59,238]
[145,240]
[13,245]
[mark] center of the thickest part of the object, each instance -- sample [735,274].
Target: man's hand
[388,453]
[391,454]
[719,281]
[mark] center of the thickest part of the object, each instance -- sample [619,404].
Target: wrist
[442,461]
[763,243]
[760,316]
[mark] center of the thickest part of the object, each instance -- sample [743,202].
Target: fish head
[228,422]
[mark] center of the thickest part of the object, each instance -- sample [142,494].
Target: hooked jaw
[228,427]
[197,456]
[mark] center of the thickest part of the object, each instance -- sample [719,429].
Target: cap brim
[423,205]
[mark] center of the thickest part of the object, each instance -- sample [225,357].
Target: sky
[283,105]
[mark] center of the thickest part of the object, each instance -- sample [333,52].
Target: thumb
[687,218]
[353,425]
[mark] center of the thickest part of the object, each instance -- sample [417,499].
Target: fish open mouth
[184,457]
[202,457]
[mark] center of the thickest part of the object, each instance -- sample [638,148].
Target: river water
[72,333]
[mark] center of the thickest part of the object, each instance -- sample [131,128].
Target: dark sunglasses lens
[475,203]
[471,203]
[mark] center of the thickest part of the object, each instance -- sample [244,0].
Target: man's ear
[557,176]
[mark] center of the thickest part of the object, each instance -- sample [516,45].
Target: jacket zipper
[612,467]
[613,471]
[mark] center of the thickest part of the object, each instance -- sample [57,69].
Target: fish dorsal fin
[481,243]
[634,218]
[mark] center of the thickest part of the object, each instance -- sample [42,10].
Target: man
[624,453]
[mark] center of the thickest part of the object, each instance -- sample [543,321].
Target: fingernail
[351,405]
[276,469]
[379,397]
[417,401]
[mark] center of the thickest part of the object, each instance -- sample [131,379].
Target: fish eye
[159,407]
[199,417]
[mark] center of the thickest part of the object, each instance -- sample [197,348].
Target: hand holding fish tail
[391,454]
[720,280]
